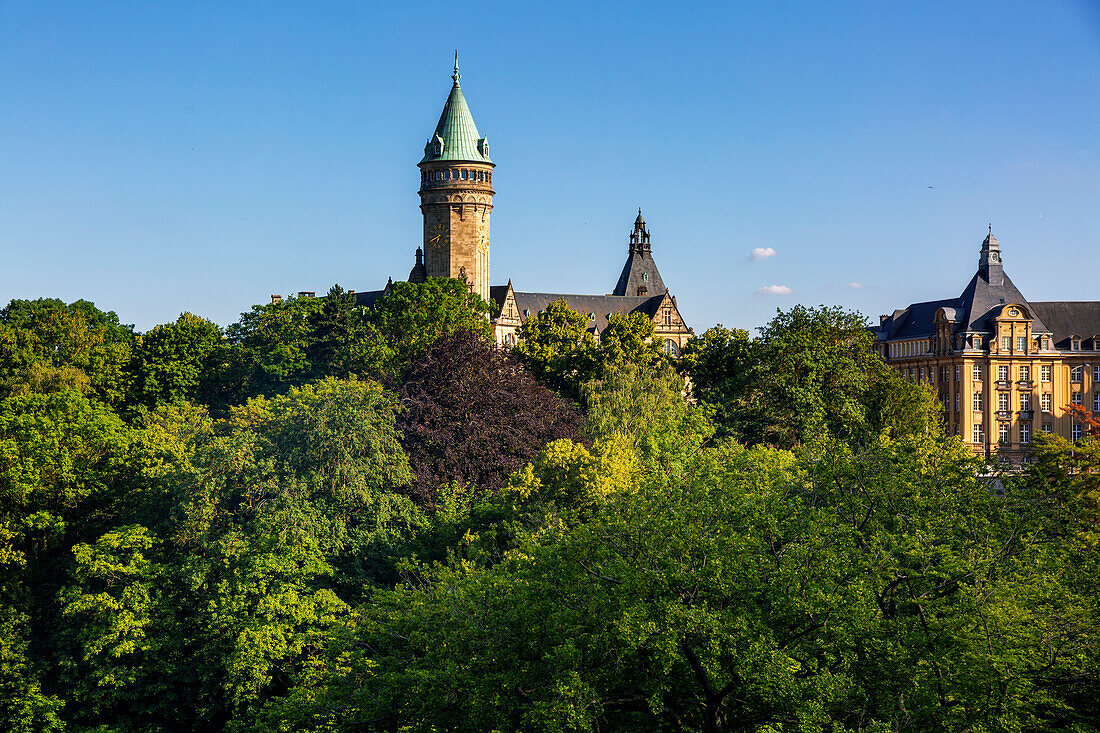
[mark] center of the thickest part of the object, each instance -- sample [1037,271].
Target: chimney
[307,293]
[276,299]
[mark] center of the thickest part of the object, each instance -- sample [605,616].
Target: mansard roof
[1069,318]
[456,136]
[980,301]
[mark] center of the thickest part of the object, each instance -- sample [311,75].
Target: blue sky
[159,157]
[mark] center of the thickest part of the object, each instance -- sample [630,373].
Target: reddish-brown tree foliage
[473,414]
[1086,418]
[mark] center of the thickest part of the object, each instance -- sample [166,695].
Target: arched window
[670,347]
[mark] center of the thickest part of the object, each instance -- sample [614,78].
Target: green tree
[412,317]
[178,361]
[810,376]
[269,355]
[628,338]
[343,342]
[47,346]
[558,349]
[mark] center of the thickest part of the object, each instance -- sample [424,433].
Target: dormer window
[645,276]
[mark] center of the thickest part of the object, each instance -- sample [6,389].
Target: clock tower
[456,196]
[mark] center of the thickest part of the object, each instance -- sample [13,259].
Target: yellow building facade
[1004,368]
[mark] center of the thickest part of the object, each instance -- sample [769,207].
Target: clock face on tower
[437,237]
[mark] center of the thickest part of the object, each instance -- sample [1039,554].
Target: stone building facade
[1004,368]
[456,200]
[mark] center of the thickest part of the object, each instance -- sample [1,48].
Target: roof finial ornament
[990,227]
[456,76]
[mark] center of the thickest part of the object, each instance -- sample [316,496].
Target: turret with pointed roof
[639,275]
[456,137]
[456,195]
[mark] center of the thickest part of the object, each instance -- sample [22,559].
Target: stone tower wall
[456,200]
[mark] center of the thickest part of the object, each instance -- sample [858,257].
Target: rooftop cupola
[639,238]
[990,265]
[456,137]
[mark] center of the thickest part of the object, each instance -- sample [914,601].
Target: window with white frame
[1076,431]
[1002,402]
[1025,402]
[1045,401]
[1096,374]
[1075,373]
[979,433]
[1006,343]
[956,372]
[956,402]
[1048,427]
[1075,398]
[978,405]
[1096,401]
[1021,344]
[977,372]
[1025,372]
[1025,433]
[1002,373]
[945,374]
[1002,432]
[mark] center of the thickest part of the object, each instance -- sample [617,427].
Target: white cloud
[855,285]
[775,290]
[762,253]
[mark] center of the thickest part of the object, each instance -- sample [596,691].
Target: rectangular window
[1048,428]
[1006,343]
[979,433]
[1021,344]
[1025,433]
[1075,373]
[977,402]
[1002,373]
[1075,398]
[956,373]
[977,372]
[1002,402]
[912,373]
[1076,431]
[956,402]
[1025,402]
[945,375]
[1046,372]
[1002,432]
[1045,401]
[1025,373]
[946,400]
[1096,402]
[1096,374]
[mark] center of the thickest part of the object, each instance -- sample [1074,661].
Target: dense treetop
[332,518]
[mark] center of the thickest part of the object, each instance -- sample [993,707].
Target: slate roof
[987,291]
[1066,318]
[639,271]
[457,131]
[981,297]
[916,321]
[599,305]
[366,298]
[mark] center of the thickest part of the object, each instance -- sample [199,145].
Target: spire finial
[456,76]
[990,227]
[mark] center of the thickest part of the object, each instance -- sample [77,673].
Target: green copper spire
[456,136]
